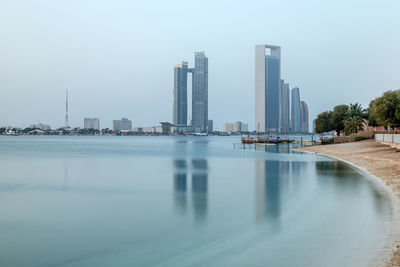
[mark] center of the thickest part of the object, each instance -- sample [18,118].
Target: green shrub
[327,141]
[360,138]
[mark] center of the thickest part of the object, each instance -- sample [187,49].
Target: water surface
[182,201]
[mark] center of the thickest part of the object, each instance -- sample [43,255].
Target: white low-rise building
[228,127]
[41,126]
[236,127]
[91,123]
[150,130]
[122,125]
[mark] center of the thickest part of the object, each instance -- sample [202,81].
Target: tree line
[382,111]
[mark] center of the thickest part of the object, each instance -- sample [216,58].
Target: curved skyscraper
[295,111]
[285,107]
[304,117]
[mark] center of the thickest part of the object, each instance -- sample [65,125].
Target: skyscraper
[200,91]
[267,86]
[295,110]
[285,107]
[180,94]
[303,117]
[210,126]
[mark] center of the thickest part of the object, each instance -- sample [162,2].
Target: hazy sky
[116,57]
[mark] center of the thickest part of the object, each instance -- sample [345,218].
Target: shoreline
[360,158]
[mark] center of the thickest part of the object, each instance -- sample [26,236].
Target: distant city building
[180,94]
[236,127]
[210,126]
[151,130]
[295,111]
[91,123]
[267,88]
[245,127]
[122,125]
[303,117]
[199,93]
[41,126]
[240,127]
[228,127]
[185,129]
[169,128]
[285,107]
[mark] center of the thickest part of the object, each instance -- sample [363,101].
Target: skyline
[113,68]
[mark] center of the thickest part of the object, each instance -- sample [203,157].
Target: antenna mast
[66,109]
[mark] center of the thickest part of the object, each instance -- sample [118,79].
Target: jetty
[265,140]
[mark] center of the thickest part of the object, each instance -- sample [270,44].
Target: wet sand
[382,162]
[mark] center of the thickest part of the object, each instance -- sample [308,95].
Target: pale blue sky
[116,57]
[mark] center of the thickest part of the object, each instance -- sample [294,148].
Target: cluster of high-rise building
[277,108]
[199,93]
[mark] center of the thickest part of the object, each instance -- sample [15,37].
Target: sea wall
[388,138]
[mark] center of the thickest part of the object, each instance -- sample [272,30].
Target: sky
[116,57]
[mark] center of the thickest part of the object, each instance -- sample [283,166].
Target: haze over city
[199,133]
[116,59]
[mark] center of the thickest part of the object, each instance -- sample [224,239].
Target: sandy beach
[382,162]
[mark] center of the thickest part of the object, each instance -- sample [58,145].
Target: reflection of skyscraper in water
[267,190]
[296,172]
[180,184]
[199,173]
[199,187]
[280,148]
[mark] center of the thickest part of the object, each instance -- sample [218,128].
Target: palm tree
[356,110]
[353,124]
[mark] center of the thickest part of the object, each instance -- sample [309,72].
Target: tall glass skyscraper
[267,83]
[179,104]
[304,117]
[285,107]
[295,110]
[200,91]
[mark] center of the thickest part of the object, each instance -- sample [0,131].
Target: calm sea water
[182,201]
